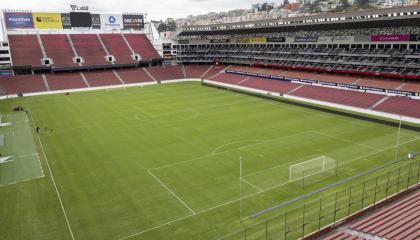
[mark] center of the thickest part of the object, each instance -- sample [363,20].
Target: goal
[318,166]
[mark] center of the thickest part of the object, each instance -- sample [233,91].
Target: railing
[328,209]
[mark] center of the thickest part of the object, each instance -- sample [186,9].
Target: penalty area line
[171,192]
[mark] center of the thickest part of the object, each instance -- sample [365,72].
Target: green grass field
[162,162]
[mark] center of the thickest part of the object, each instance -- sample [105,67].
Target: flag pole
[398,139]
[240,189]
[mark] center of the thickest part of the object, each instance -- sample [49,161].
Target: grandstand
[135,137]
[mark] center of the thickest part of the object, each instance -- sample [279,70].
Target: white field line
[53,180]
[230,150]
[344,140]
[236,200]
[230,143]
[201,212]
[252,185]
[171,192]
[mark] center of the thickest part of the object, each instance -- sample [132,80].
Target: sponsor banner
[415,37]
[80,19]
[15,20]
[327,83]
[277,39]
[219,40]
[306,39]
[405,93]
[186,41]
[66,21]
[252,74]
[111,21]
[292,79]
[348,86]
[261,75]
[307,81]
[373,89]
[135,22]
[96,21]
[390,38]
[47,20]
[277,77]
[252,40]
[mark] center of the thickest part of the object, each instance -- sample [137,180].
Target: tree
[344,4]
[362,3]
[162,27]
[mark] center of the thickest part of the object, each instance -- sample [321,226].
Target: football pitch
[162,162]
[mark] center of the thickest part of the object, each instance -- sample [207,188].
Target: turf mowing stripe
[170,191]
[53,180]
[232,149]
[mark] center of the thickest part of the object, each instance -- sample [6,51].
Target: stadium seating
[25,50]
[142,45]
[337,78]
[401,106]
[89,47]
[270,85]
[22,84]
[195,71]
[411,86]
[339,96]
[134,76]
[166,72]
[398,221]
[379,83]
[117,47]
[64,81]
[343,236]
[57,48]
[216,69]
[229,78]
[101,78]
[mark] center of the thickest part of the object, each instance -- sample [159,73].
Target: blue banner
[15,20]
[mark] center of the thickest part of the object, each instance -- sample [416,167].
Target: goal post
[318,166]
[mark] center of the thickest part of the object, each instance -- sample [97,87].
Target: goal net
[317,166]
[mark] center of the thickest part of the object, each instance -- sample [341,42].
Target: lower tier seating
[64,81]
[166,73]
[339,96]
[134,76]
[195,71]
[401,106]
[22,84]
[101,78]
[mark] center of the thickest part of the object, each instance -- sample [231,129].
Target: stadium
[303,127]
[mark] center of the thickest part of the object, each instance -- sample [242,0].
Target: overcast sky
[155,9]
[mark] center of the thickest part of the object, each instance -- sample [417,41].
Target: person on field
[38,130]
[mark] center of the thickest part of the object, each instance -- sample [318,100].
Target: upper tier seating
[195,71]
[57,48]
[166,73]
[89,47]
[410,86]
[134,75]
[339,96]
[64,81]
[22,84]
[101,78]
[141,45]
[401,106]
[25,50]
[117,47]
